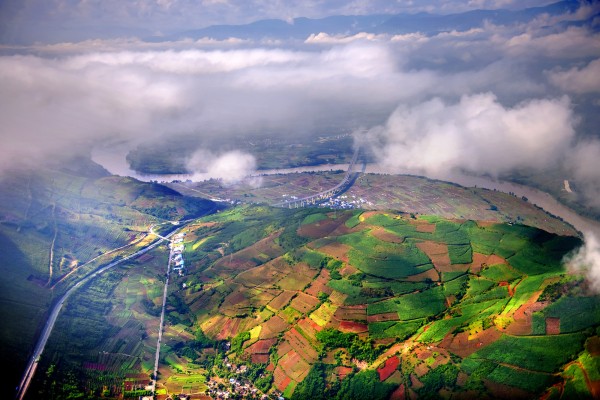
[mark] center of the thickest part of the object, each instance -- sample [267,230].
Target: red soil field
[309,328]
[352,327]
[399,394]
[343,372]
[261,346]
[522,323]
[552,326]
[388,368]
[259,358]
[479,259]
[281,380]
[301,345]
[391,316]
[463,347]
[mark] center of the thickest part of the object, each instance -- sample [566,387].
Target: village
[177,247]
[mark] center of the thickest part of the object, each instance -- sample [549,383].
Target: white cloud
[477,134]
[324,38]
[586,260]
[578,80]
[584,161]
[230,167]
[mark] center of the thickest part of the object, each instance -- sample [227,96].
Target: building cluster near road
[345,202]
[177,253]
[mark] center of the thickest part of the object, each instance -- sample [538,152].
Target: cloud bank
[586,260]
[230,167]
[477,134]
[483,99]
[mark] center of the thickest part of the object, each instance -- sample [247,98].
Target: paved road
[41,344]
[324,194]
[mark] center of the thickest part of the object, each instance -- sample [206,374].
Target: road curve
[41,344]
[324,194]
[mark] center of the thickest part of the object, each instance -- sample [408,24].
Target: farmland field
[414,299]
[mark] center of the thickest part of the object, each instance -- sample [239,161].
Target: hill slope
[53,224]
[311,303]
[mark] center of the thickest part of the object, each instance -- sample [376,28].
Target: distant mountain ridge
[426,23]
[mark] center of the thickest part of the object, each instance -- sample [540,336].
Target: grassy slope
[284,275]
[79,211]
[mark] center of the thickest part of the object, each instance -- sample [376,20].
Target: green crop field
[261,284]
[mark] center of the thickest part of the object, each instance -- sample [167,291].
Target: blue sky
[52,21]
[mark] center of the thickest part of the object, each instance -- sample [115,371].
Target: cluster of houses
[345,202]
[177,253]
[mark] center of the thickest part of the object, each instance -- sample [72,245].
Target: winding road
[41,344]
[324,194]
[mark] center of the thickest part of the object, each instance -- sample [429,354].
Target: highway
[41,344]
[324,194]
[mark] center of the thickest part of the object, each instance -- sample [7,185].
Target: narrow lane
[41,344]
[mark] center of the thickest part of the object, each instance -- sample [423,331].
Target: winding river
[115,162]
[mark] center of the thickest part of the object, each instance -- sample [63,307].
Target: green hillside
[311,303]
[55,225]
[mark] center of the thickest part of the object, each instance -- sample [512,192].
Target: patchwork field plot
[409,305]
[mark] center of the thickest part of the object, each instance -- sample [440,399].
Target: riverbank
[115,163]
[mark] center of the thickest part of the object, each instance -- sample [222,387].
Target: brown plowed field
[273,327]
[463,347]
[522,324]
[552,326]
[430,273]
[301,345]
[336,250]
[501,391]
[304,303]
[424,226]
[351,313]
[386,236]
[319,284]
[261,346]
[321,228]
[259,358]
[282,300]
[294,366]
[337,298]
[352,327]
[391,316]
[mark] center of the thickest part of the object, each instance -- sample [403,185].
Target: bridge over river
[324,194]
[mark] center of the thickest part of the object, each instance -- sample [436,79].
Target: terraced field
[315,302]
[409,297]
